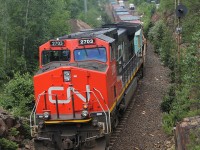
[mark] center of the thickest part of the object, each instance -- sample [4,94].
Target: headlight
[85,106]
[46,115]
[67,76]
[84,113]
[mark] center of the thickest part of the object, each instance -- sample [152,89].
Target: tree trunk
[5,20]
[24,38]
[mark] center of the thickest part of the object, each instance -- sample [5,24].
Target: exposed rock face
[184,129]
[2,127]
[12,129]
[6,122]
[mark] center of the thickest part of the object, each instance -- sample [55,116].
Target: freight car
[121,14]
[85,82]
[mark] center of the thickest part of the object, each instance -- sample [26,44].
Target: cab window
[55,55]
[97,53]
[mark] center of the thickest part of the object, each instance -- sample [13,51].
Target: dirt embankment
[77,25]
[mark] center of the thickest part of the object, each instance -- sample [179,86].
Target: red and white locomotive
[85,82]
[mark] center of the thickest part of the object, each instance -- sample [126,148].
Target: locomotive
[84,84]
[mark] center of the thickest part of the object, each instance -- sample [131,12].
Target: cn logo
[69,90]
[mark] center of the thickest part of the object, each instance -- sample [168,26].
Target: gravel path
[143,131]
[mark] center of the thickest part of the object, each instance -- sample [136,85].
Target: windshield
[55,55]
[98,53]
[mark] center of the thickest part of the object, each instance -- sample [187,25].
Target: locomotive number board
[57,43]
[86,41]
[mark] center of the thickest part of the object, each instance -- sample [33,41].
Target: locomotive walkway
[143,128]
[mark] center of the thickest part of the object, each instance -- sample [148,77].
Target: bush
[168,100]
[18,95]
[167,103]
[7,144]
[168,123]
[156,34]
[26,130]
[163,42]
[13,132]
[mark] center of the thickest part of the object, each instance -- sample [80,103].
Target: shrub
[166,104]
[168,123]
[156,34]
[13,132]
[18,94]
[168,100]
[7,144]
[26,130]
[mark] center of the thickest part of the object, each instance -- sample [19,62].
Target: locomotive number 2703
[57,43]
[86,41]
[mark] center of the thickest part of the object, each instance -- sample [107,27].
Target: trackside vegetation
[183,97]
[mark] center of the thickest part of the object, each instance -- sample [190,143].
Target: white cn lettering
[69,89]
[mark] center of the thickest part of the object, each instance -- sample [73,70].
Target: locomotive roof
[106,38]
[131,28]
[106,33]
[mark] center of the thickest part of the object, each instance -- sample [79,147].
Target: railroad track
[122,121]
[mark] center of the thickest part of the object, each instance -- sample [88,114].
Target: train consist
[84,84]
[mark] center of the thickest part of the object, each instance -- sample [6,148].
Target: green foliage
[76,7]
[163,43]
[166,6]
[90,16]
[190,68]
[156,35]
[25,25]
[183,98]
[167,49]
[13,132]
[18,94]
[26,130]
[7,144]
[191,22]
[168,100]
[168,122]
[96,14]
[137,2]
[194,140]
[147,10]
[3,75]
